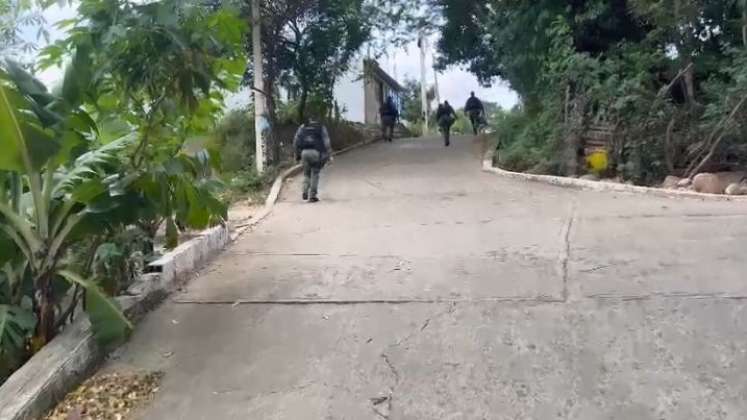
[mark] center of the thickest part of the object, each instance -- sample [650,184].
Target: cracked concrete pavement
[423,288]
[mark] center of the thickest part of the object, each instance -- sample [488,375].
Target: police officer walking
[445,116]
[313,147]
[476,112]
[389,116]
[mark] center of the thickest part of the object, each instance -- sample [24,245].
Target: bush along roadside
[91,173]
[660,87]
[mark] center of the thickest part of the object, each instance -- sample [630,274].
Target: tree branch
[136,159]
[715,143]
[668,152]
[663,91]
[259,91]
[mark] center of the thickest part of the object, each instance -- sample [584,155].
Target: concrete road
[422,288]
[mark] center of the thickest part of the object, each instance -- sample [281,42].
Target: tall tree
[511,39]
[308,44]
[320,46]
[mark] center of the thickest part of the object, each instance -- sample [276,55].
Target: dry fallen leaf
[107,397]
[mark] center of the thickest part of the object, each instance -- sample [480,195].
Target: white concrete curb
[74,354]
[601,186]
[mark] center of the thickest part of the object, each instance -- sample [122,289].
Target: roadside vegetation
[134,148]
[93,172]
[664,81]
[667,79]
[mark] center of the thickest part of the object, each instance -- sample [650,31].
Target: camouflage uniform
[314,153]
[446,117]
[475,110]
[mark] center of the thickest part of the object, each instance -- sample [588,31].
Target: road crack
[566,253]
[386,412]
[425,324]
[377,403]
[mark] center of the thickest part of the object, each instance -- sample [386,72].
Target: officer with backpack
[389,116]
[476,112]
[313,147]
[445,116]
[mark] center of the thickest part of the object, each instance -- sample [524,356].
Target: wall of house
[371,97]
[361,97]
[350,96]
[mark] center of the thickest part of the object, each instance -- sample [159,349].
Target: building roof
[373,66]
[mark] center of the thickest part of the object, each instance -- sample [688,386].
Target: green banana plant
[47,190]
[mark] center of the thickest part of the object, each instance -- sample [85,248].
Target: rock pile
[731,183]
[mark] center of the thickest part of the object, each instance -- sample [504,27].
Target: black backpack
[312,138]
[388,110]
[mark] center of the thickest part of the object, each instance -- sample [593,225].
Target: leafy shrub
[52,182]
[343,134]
[527,141]
[234,140]
[246,181]
[81,167]
[462,125]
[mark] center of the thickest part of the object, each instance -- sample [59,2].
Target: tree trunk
[669,145]
[574,128]
[573,142]
[273,143]
[261,122]
[715,140]
[566,104]
[689,79]
[425,107]
[302,104]
[45,329]
[684,52]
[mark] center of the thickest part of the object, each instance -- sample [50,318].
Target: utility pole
[261,121]
[435,86]
[422,43]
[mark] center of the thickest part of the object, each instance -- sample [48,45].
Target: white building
[364,89]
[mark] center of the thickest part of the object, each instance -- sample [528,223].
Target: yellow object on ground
[598,161]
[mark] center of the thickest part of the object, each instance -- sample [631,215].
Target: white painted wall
[349,94]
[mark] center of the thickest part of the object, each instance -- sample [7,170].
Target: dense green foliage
[322,43]
[308,45]
[666,77]
[94,170]
[412,106]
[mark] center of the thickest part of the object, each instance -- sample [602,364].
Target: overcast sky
[454,84]
[54,14]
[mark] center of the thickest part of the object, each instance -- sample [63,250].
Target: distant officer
[446,117]
[475,110]
[389,116]
[314,148]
